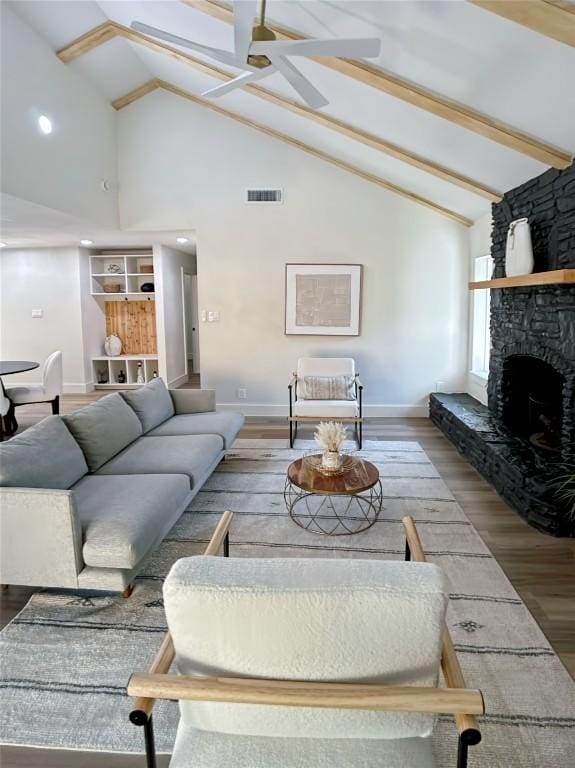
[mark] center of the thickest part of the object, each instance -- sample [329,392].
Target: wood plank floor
[541,568]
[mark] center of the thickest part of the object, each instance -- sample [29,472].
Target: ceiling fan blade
[244,79]
[347,48]
[225,57]
[244,13]
[302,85]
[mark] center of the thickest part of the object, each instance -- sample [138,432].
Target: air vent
[264,196]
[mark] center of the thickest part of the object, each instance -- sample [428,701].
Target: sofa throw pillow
[152,404]
[44,456]
[104,428]
[326,388]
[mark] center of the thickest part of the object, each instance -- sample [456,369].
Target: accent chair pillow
[44,456]
[104,428]
[326,388]
[152,404]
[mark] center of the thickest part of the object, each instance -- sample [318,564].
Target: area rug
[66,658]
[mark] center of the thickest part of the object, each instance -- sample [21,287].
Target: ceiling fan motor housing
[260,33]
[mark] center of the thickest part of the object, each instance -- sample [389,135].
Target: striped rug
[66,658]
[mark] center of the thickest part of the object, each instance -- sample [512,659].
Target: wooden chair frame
[454,699]
[294,420]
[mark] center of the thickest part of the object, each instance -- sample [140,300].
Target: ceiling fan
[257,51]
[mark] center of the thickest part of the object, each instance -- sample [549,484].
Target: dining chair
[325,389]
[48,391]
[306,662]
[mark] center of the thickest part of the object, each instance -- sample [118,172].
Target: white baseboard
[268,409]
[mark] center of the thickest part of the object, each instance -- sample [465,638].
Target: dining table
[8,367]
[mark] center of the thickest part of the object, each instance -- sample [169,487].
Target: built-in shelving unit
[553,277]
[110,369]
[124,270]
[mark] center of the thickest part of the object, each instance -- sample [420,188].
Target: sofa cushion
[191,455]
[122,517]
[152,403]
[44,456]
[103,428]
[227,425]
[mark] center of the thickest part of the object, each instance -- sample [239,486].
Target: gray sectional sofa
[86,497]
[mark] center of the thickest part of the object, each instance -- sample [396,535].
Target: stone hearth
[525,439]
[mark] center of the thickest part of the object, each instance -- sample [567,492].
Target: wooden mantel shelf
[555,277]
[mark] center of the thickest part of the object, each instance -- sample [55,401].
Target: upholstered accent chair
[48,391]
[325,389]
[306,662]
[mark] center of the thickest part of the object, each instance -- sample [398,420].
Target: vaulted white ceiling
[456,49]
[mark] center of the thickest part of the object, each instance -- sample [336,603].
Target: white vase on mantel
[113,346]
[519,249]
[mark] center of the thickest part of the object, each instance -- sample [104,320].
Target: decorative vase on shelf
[121,377]
[518,250]
[140,375]
[113,346]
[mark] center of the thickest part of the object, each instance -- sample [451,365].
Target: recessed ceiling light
[86,242]
[2,245]
[45,124]
[181,240]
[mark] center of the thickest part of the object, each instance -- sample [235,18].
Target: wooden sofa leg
[128,591]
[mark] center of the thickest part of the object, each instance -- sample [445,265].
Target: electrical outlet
[204,315]
[37,313]
[440,386]
[242,394]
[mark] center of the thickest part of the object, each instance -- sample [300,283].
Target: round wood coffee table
[333,505]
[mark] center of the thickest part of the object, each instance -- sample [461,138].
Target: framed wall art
[323,299]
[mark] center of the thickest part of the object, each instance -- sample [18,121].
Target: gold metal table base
[333,514]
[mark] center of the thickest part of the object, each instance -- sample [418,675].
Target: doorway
[191,335]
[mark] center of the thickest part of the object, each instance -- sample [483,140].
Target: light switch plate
[37,313]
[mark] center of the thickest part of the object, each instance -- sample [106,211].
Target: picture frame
[323,299]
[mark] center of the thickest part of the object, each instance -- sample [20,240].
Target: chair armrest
[358,381]
[293,381]
[40,538]
[193,400]
[296,693]
[144,704]
[465,722]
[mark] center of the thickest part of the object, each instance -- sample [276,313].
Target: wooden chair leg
[56,405]
[128,591]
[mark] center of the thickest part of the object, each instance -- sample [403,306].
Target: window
[480,337]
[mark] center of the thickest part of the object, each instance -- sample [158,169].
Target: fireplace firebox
[532,395]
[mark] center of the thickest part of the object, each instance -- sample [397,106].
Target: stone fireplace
[525,440]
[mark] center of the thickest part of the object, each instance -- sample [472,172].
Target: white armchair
[326,389]
[306,662]
[47,392]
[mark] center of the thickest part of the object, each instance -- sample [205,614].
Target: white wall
[47,279]
[168,266]
[183,166]
[63,170]
[479,245]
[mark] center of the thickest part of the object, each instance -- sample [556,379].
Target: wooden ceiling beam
[137,93]
[547,18]
[283,137]
[87,43]
[416,95]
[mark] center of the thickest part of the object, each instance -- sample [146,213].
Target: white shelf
[111,366]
